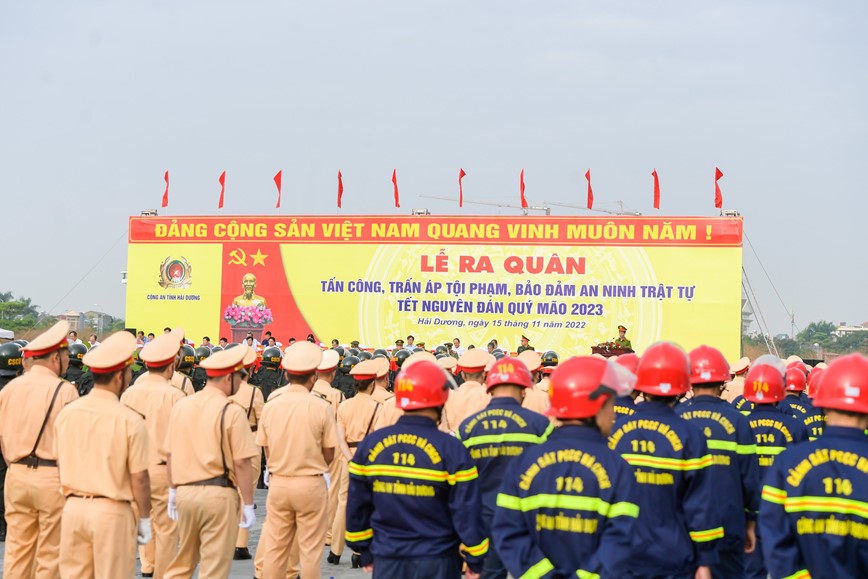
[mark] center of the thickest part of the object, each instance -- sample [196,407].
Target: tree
[821,333]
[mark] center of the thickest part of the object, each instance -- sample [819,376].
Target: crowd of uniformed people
[428,464]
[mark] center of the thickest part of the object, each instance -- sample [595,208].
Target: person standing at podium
[622,341]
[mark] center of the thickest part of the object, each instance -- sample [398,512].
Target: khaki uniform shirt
[388,415]
[469,399]
[251,401]
[543,385]
[24,403]
[193,438]
[382,395]
[152,398]
[733,389]
[99,443]
[331,395]
[294,429]
[277,393]
[183,383]
[536,400]
[356,417]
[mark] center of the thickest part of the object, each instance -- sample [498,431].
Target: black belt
[161,463]
[217,481]
[353,444]
[254,428]
[35,462]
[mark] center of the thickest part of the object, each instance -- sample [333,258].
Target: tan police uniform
[294,430]
[735,387]
[153,397]
[250,399]
[29,406]
[356,418]
[203,471]
[183,383]
[100,444]
[323,389]
[534,399]
[471,396]
[389,413]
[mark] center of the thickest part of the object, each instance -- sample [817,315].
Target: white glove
[328,479]
[144,533]
[248,517]
[266,477]
[172,509]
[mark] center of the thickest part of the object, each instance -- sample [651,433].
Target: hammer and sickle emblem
[238,257]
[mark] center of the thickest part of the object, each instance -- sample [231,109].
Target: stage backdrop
[564,282]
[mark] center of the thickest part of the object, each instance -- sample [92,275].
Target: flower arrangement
[248,316]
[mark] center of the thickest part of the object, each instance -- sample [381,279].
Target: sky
[98,99]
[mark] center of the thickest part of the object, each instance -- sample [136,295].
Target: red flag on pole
[277,181]
[656,189]
[461,175]
[340,188]
[166,192]
[718,197]
[590,191]
[222,181]
[521,190]
[395,184]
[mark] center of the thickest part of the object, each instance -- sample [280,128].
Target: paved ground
[244,569]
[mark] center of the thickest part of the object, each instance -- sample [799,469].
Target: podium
[608,352]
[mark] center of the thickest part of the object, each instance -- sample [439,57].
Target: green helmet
[354,352]
[216,349]
[441,350]
[400,356]
[365,356]
[202,352]
[21,343]
[232,345]
[441,355]
[11,359]
[498,354]
[381,352]
[348,363]
[271,357]
[340,351]
[550,358]
[188,357]
[76,353]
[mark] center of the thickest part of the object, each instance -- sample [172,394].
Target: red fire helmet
[764,383]
[707,366]
[663,370]
[508,371]
[422,385]
[580,386]
[845,385]
[795,379]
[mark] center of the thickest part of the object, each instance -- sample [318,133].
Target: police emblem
[176,273]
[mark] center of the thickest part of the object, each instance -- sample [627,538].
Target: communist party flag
[277,181]
[718,197]
[340,188]
[461,175]
[166,192]
[521,190]
[222,181]
[590,191]
[656,189]
[395,185]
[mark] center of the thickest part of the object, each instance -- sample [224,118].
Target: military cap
[399,341]
[249,357]
[354,343]
[474,360]
[365,370]
[622,328]
[330,360]
[113,354]
[523,337]
[418,357]
[382,366]
[225,362]
[161,351]
[741,366]
[54,338]
[448,363]
[531,359]
[302,358]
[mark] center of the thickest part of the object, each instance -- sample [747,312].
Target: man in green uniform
[622,341]
[525,344]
